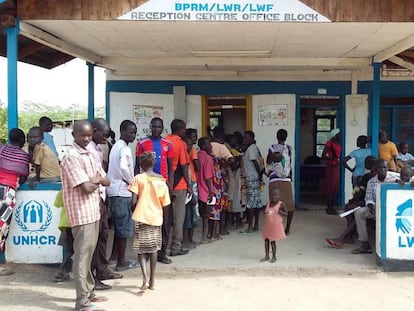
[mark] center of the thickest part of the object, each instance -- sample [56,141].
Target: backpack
[281,169]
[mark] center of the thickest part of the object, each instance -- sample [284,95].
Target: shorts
[204,209]
[121,216]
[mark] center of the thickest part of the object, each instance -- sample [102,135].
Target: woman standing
[279,161]
[253,174]
[332,153]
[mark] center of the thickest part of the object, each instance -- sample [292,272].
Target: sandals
[362,250]
[333,243]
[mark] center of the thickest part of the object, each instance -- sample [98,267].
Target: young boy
[43,159]
[191,207]
[204,181]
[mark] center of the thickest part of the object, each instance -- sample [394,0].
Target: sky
[65,85]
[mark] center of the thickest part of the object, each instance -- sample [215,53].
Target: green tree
[30,113]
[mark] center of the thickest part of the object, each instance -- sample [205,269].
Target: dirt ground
[32,288]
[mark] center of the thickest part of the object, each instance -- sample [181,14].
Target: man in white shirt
[121,173]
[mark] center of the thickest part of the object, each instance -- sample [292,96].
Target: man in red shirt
[164,155]
[181,185]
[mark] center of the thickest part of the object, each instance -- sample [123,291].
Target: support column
[91,92]
[376,94]
[12,34]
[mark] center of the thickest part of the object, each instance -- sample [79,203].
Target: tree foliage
[30,113]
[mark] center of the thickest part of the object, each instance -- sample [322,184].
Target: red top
[180,155]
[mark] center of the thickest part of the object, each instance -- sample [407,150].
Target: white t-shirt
[120,170]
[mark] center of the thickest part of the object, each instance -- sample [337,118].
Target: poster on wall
[143,116]
[273,115]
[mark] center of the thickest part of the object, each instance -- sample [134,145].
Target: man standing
[81,178]
[121,173]
[164,155]
[99,261]
[46,126]
[181,185]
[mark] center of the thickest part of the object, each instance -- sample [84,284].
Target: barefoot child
[205,185]
[273,228]
[151,192]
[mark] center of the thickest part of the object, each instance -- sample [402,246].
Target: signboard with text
[399,224]
[225,11]
[34,232]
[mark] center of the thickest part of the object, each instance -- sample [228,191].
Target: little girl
[151,192]
[273,227]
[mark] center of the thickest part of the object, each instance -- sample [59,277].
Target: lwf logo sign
[33,218]
[403,224]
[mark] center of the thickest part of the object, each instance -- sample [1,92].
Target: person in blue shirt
[359,155]
[46,126]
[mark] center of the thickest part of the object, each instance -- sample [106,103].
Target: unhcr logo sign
[33,218]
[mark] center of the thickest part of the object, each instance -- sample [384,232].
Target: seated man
[358,199]
[368,212]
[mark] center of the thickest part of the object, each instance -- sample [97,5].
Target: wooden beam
[30,49]
[75,9]
[364,10]
[47,39]
[399,61]
[408,53]
[7,20]
[395,49]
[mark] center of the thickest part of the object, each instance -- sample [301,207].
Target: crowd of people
[178,182]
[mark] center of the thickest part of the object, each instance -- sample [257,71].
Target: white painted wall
[356,123]
[121,108]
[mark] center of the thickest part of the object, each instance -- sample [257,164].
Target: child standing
[273,228]
[191,207]
[152,191]
[205,185]
[66,240]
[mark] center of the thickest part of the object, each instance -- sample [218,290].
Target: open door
[318,116]
[233,113]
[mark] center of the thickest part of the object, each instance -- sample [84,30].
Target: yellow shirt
[152,194]
[46,159]
[387,152]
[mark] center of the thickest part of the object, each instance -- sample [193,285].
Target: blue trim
[91,92]
[41,186]
[107,106]
[12,57]
[376,93]
[297,154]
[385,187]
[230,87]
[383,221]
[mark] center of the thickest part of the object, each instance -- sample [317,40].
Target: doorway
[233,113]
[318,116]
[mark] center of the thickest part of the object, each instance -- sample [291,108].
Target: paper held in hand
[349,212]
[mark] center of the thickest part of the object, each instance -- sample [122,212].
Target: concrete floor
[304,249]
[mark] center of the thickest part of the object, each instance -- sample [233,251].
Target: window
[325,121]
[398,122]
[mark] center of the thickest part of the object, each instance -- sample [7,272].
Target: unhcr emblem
[33,216]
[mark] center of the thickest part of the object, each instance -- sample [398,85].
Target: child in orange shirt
[149,196]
